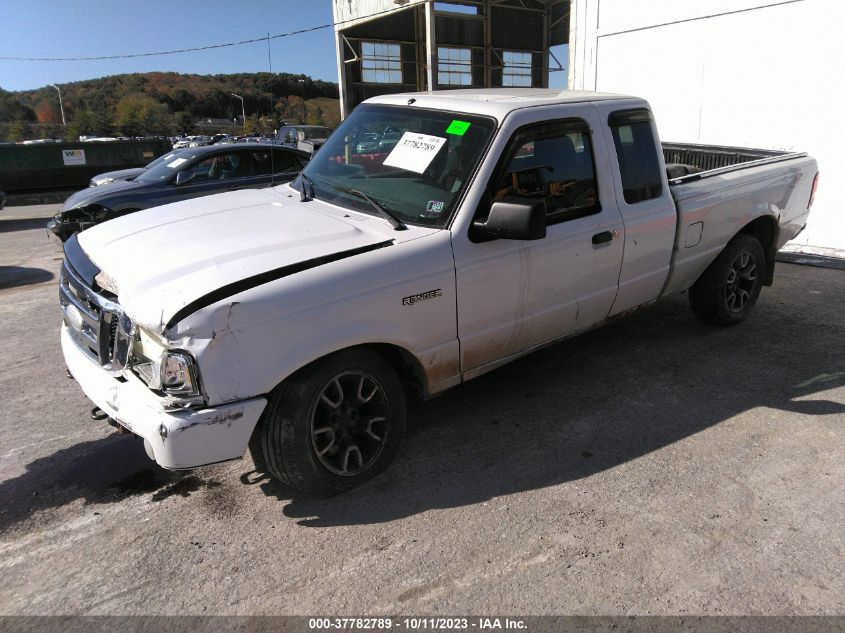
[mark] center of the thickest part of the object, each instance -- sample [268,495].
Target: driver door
[516,295]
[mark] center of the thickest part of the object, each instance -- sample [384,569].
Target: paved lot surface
[654,466]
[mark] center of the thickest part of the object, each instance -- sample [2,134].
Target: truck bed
[723,198]
[688,161]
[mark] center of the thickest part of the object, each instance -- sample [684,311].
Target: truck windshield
[413,162]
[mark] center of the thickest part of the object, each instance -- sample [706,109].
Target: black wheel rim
[742,278]
[350,423]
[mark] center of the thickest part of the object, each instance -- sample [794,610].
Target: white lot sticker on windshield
[414,152]
[177,162]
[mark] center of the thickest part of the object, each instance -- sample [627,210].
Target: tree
[12,110]
[295,109]
[88,123]
[51,130]
[140,115]
[315,116]
[19,131]
[252,125]
[47,112]
[184,123]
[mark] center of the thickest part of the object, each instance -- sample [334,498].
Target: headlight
[178,374]
[174,373]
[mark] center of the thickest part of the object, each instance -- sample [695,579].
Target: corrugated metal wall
[530,26]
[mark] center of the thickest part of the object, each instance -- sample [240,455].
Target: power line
[199,48]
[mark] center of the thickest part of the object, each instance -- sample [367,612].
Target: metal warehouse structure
[388,46]
[752,73]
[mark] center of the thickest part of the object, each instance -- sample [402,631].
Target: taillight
[813,192]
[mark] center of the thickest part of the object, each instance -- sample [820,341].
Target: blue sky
[80,28]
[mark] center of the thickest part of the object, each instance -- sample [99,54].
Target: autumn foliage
[168,103]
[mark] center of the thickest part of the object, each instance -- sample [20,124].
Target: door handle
[603,237]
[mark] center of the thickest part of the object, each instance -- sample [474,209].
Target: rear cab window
[636,151]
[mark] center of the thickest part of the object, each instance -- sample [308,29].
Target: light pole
[243,111]
[61,105]
[304,111]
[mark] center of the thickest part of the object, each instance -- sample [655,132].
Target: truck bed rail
[713,160]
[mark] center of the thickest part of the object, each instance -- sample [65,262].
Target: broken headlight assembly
[172,372]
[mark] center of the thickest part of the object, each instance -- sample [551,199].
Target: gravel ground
[654,466]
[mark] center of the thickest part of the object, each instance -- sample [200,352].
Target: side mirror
[184,176]
[512,218]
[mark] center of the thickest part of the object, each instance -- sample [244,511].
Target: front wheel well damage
[765,230]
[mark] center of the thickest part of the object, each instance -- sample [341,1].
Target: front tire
[728,290]
[332,426]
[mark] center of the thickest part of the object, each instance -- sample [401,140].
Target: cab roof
[497,102]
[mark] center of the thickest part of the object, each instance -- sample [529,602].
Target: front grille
[96,323]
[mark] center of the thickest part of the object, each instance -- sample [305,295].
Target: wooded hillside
[167,103]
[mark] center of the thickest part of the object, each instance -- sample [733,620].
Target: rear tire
[728,290]
[333,425]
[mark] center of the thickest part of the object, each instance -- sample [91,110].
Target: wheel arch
[765,230]
[407,366]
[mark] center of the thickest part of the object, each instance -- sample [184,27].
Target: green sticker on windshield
[458,128]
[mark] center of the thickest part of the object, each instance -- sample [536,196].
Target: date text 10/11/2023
[416,623]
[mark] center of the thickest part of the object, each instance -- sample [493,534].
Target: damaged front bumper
[175,439]
[62,228]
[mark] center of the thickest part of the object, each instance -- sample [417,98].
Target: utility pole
[243,111]
[61,105]
[304,111]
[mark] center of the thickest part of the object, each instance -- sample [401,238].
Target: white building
[754,73]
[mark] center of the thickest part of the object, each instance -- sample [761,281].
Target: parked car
[183,143]
[128,174]
[294,320]
[193,172]
[200,141]
[308,138]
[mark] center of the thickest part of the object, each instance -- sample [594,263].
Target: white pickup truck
[295,320]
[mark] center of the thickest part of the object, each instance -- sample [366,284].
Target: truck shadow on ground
[590,404]
[16,276]
[567,412]
[103,471]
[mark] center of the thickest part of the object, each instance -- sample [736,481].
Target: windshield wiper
[395,222]
[304,197]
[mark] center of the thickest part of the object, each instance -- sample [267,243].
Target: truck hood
[162,260]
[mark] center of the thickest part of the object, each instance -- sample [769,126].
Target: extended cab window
[636,151]
[552,161]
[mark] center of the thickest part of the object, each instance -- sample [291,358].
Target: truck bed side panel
[712,209]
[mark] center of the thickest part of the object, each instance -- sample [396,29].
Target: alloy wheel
[350,423]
